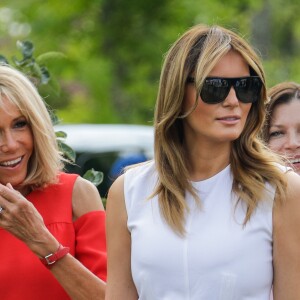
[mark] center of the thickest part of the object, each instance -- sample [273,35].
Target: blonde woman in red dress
[52,224]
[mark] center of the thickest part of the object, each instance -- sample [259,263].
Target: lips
[229,118]
[11,163]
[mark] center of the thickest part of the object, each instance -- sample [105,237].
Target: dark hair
[281,93]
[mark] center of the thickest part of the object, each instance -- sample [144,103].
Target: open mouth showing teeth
[11,163]
[294,160]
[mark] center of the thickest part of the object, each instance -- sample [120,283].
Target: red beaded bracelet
[50,259]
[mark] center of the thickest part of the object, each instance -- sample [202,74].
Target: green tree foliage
[115,48]
[280,39]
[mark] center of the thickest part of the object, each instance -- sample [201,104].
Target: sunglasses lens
[248,89]
[214,90]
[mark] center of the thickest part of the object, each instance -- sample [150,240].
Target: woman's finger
[10,194]
[9,186]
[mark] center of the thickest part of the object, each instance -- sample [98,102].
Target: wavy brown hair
[46,160]
[281,93]
[196,52]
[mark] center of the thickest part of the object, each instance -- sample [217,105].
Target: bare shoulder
[116,213]
[290,205]
[286,241]
[85,197]
[293,181]
[292,200]
[115,198]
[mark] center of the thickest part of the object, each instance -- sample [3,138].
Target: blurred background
[113,49]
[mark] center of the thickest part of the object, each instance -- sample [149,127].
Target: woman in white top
[214,216]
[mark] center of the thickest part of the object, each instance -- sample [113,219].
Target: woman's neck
[204,162]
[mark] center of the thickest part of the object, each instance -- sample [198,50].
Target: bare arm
[119,283]
[22,220]
[286,247]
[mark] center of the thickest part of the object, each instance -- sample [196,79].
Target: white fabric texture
[218,259]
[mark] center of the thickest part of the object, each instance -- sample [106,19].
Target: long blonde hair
[46,160]
[196,52]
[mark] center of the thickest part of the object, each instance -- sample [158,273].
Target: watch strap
[50,259]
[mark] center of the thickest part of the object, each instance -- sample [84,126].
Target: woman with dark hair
[204,220]
[282,127]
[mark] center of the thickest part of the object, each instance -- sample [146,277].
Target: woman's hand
[21,219]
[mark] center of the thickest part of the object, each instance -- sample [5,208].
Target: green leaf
[50,56]
[95,177]
[55,86]
[36,71]
[60,134]
[21,63]
[54,118]
[67,151]
[26,48]
[45,75]
[3,60]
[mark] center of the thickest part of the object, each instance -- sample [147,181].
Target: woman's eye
[276,133]
[21,124]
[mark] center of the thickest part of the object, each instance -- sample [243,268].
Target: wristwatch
[50,259]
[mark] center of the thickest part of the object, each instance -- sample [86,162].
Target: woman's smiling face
[16,144]
[284,132]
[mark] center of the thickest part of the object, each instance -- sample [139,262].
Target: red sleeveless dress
[22,275]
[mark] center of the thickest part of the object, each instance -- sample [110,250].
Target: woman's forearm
[78,282]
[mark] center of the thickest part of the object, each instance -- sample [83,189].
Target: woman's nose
[8,142]
[292,141]
[231,99]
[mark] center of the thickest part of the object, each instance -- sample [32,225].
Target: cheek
[276,144]
[29,141]
[204,110]
[246,109]
[203,115]
[189,99]
[246,113]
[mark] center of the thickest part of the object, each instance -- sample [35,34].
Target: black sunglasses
[216,89]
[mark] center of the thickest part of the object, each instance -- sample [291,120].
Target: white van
[107,148]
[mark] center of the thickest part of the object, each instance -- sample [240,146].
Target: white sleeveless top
[218,259]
